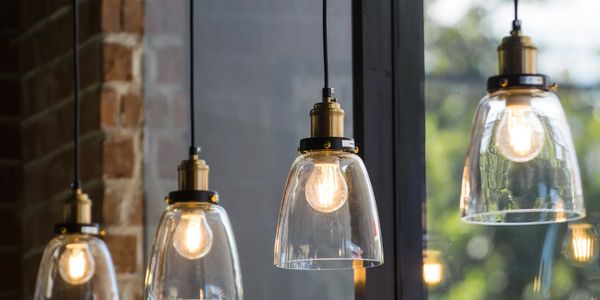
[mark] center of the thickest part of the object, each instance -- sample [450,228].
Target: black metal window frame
[389,126]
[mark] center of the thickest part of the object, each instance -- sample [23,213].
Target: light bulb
[433,268]
[520,135]
[326,189]
[193,237]
[581,244]
[76,264]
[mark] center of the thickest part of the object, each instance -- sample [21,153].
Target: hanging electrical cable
[84,265]
[328,217]
[521,166]
[194,255]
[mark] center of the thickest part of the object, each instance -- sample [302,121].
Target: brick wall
[10,155]
[111,141]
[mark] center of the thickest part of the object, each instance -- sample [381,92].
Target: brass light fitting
[327,127]
[193,181]
[517,64]
[517,54]
[78,209]
[327,117]
[193,174]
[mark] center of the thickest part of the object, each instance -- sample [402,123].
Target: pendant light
[76,264]
[580,245]
[521,167]
[194,255]
[328,216]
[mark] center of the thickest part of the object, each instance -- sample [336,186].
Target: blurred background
[527,262]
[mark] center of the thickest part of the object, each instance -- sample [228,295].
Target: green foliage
[458,61]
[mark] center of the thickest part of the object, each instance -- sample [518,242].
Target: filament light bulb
[76,264]
[580,247]
[326,189]
[433,268]
[520,135]
[193,237]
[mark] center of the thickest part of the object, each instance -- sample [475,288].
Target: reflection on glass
[580,246]
[434,270]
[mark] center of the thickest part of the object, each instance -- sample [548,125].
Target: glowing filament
[326,189]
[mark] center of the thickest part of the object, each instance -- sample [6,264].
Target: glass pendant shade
[194,255]
[328,216]
[521,166]
[76,267]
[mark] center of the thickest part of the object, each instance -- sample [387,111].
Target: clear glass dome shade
[328,217]
[194,255]
[76,266]
[521,166]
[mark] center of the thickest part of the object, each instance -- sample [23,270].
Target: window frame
[389,126]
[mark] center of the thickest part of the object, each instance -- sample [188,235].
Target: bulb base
[78,209]
[517,54]
[193,174]
[193,182]
[327,117]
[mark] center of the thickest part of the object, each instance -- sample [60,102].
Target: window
[524,262]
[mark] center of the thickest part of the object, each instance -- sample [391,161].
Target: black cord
[516,24]
[76,156]
[325,57]
[193,148]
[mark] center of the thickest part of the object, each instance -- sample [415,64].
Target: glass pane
[259,70]
[465,261]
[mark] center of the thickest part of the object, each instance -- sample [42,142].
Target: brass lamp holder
[327,127]
[193,181]
[77,212]
[517,64]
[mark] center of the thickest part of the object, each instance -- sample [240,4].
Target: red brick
[90,111]
[92,159]
[10,140]
[131,110]
[39,91]
[11,105]
[171,65]
[112,205]
[10,227]
[117,63]
[89,19]
[124,252]
[9,54]
[155,107]
[62,74]
[97,195]
[119,156]
[31,12]
[11,182]
[9,17]
[38,224]
[175,22]
[133,15]
[167,159]
[135,208]
[111,15]
[109,108]
[27,57]
[121,209]
[30,268]
[91,60]
[56,38]
[10,277]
